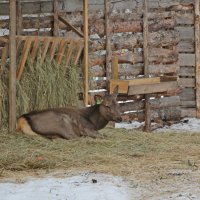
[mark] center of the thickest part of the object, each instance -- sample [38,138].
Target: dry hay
[42,86]
[119,152]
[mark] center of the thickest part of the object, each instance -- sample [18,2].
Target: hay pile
[119,152]
[42,86]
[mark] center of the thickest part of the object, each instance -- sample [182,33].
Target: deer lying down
[71,122]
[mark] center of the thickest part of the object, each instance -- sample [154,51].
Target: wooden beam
[108,42]
[64,21]
[115,69]
[197,56]
[12,69]
[86,58]
[146,63]
[19,17]
[55,19]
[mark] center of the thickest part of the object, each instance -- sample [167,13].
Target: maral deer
[71,122]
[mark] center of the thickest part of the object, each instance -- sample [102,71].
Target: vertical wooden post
[12,69]
[146,71]
[197,57]
[86,59]
[19,17]
[115,69]
[108,45]
[55,17]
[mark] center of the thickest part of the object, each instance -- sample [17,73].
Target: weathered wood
[86,58]
[34,50]
[71,26]
[108,38]
[19,17]
[187,94]
[44,50]
[153,88]
[12,68]
[79,49]
[187,82]
[60,53]
[156,56]
[188,104]
[188,112]
[156,39]
[197,55]
[186,46]
[4,57]
[187,71]
[55,18]
[69,51]
[186,59]
[173,113]
[115,68]
[130,26]
[165,102]
[186,33]
[53,48]
[23,58]
[135,70]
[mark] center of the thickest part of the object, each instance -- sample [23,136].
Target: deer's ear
[115,91]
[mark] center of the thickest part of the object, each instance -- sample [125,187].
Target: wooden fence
[172,34]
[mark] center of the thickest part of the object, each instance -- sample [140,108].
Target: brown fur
[71,122]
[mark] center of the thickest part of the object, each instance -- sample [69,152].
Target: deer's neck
[95,117]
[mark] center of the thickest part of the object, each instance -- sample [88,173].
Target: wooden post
[108,45]
[86,59]
[197,57]
[114,74]
[19,17]
[12,69]
[146,71]
[55,16]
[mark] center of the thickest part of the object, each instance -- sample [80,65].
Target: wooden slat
[115,68]
[23,58]
[152,88]
[188,94]
[61,51]
[185,32]
[78,51]
[69,51]
[186,59]
[187,71]
[123,86]
[187,82]
[71,26]
[55,21]
[34,51]
[197,56]
[44,51]
[188,112]
[53,47]
[86,58]
[19,18]
[4,57]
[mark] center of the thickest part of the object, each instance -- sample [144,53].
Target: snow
[185,125]
[87,186]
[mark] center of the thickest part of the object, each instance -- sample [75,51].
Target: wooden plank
[188,94]
[152,88]
[108,39]
[115,68]
[187,71]
[186,59]
[188,112]
[186,33]
[55,16]
[78,51]
[86,58]
[34,51]
[53,47]
[71,26]
[69,51]
[187,82]
[23,58]
[44,50]
[188,104]
[197,55]
[4,57]
[61,51]
[123,86]
[12,68]
[186,46]
[19,17]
